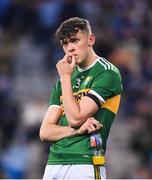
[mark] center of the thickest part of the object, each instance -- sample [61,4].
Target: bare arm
[50,130]
[77,113]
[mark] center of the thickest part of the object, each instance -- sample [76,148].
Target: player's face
[79,46]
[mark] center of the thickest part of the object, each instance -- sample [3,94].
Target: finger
[92,128]
[94,121]
[97,126]
[69,59]
[73,60]
[89,129]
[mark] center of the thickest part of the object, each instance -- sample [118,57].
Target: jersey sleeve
[55,95]
[106,85]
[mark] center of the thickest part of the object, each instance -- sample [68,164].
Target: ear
[91,39]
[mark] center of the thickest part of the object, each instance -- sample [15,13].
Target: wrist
[65,78]
[78,131]
[75,131]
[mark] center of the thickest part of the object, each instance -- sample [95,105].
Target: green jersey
[100,81]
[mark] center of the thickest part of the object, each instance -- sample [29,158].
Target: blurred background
[28,54]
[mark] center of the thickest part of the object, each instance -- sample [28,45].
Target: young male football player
[86,96]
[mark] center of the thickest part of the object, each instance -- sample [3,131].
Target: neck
[92,56]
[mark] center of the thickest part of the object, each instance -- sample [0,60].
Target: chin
[78,61]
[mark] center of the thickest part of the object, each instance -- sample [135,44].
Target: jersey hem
[71,163]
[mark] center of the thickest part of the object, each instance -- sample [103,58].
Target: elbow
[42,139]
[76,123]
[44,136]
[41,135]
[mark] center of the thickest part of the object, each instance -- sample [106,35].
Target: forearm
[76,113]
[56,132]
[71,106]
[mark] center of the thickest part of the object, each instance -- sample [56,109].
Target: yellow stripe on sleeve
[112,104]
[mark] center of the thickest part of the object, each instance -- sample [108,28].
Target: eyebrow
[71,39]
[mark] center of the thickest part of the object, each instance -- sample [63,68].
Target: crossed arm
[51,131]
[78,114]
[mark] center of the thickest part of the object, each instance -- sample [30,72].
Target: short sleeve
[106,85]
[55,95]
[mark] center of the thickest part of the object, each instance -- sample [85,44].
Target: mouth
[76,55]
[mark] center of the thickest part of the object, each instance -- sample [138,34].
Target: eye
[64,44]
[75,41]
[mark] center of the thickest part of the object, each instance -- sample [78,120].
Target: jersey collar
[88,67]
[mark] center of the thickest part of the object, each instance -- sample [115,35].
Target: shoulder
[57,86]
[106,65]
[108,72]
[103,66]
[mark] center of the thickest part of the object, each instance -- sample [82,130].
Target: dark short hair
[71,27]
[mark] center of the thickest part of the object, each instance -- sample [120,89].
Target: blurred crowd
[28,54]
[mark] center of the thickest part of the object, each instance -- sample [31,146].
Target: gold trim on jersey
[112,104]
[77,95]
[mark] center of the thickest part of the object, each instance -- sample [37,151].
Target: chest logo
[87,80]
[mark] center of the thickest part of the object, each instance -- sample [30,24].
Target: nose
[70,48]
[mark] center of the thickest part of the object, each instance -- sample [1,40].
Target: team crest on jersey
[87,80]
